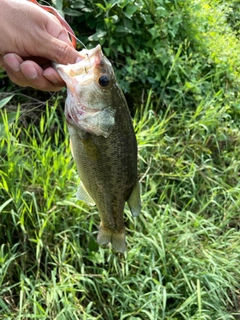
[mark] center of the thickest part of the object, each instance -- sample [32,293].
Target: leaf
[148,19]
[78,5]
[120,48]
[4,101]
[5,204]
[107,51]
[11,117]
[58,4]
[2,74]
[98,35]
[122,30]
[72,12]
[130,10]
[101,6]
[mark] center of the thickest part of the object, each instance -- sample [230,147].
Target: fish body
[103,143]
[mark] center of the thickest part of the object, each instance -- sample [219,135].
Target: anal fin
[71,148]
[83,195]
[134,201]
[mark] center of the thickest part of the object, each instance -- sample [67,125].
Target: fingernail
[32,74]
[79,58]
[54,80]
[12,63]
[50,77]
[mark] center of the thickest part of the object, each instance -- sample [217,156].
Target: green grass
[183,250]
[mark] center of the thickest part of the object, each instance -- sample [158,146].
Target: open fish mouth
[85,106]
[86,60]
[90,58]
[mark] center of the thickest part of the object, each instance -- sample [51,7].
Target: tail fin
[117,239]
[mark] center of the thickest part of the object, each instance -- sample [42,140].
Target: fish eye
[103,80]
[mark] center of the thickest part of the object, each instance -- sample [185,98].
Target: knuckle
[63,52]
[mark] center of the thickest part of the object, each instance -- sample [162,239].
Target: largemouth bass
[103,142]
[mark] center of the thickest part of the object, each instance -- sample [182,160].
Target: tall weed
[183,250]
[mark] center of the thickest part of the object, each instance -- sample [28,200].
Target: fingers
[29,73]
[57,44]
[51,75]
[59,51]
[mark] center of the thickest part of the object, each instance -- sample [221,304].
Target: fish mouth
[88,59]
[78,74]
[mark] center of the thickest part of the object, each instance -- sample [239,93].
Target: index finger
[57,48]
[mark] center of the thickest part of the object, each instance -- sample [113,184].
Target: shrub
[183,50]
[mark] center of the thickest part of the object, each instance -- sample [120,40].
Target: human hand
[30,39]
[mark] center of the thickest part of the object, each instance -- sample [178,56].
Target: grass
[183,250]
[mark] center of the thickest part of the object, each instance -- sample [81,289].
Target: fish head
[91,85]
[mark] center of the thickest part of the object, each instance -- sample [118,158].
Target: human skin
[30,38]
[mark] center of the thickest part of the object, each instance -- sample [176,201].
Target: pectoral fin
[71,148]
[83,195]
[134,201]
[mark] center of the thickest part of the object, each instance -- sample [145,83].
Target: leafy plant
[158,45]
[183,250]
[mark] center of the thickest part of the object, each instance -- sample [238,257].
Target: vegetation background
[178,65]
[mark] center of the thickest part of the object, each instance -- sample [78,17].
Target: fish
[103,143]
